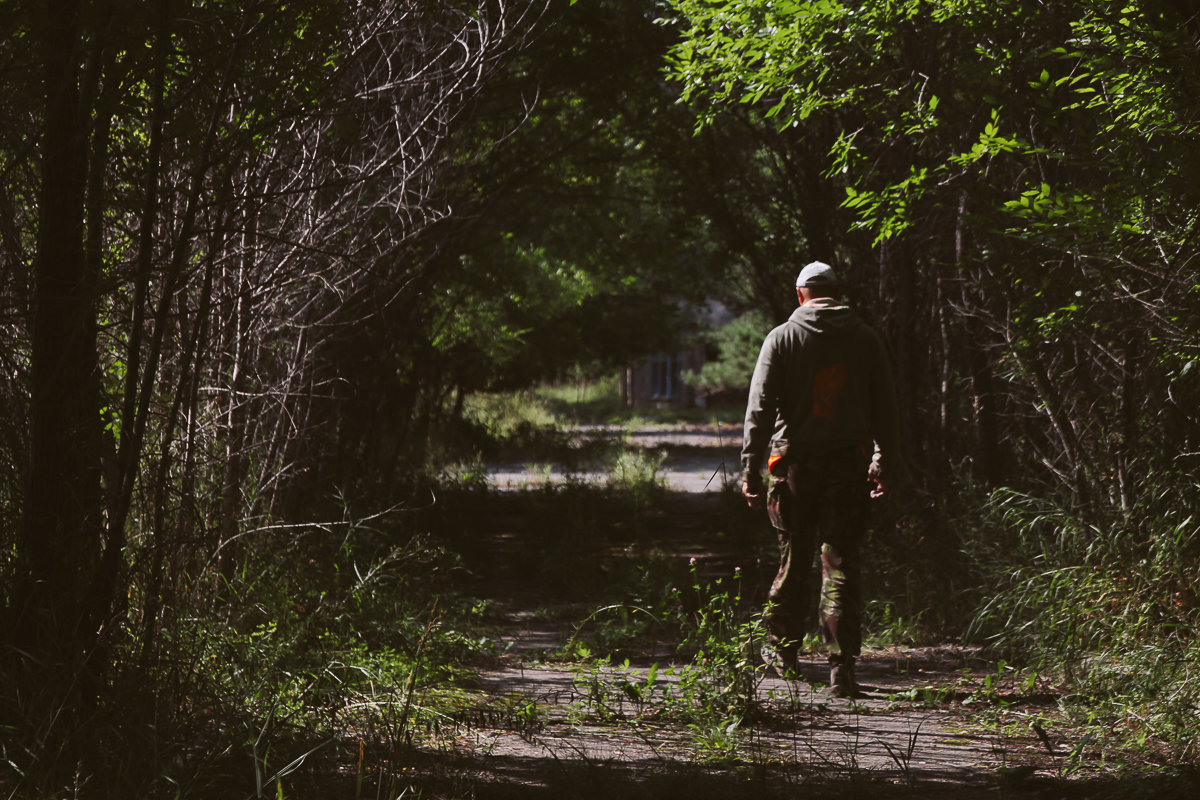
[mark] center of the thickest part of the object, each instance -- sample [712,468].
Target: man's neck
[822,302]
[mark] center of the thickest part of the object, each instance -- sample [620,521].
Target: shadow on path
[929,725]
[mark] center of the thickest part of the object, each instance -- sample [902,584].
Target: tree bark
[62,522]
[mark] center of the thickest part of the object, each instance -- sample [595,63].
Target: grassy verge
[579,402]
[1106,606]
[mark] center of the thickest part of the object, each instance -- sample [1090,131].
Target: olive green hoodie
[822,384]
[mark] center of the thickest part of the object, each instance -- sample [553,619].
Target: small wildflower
[692,560]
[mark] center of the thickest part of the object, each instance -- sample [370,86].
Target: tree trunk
[61,527]
[52,626]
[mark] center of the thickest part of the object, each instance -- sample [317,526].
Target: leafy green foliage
[737,344]
[722,642]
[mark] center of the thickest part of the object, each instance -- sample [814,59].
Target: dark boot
[841,677]
[781,658]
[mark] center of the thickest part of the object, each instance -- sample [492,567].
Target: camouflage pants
[819,504]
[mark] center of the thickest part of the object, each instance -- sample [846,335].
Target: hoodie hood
[825,315]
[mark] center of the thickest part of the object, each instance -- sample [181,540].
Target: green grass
[579,402]
[1103,604]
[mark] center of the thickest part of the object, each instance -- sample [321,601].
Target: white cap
[817,274]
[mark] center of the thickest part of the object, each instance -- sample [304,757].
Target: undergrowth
[319,663]
[709,682]
[1107,604]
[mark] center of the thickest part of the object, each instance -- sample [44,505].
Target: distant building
[658,381]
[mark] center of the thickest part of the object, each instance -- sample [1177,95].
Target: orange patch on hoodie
[828,385]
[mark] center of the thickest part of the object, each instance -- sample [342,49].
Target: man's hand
[753,495]
[879,484]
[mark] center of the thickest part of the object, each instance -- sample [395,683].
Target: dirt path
[923,726]
[696,459]
[932,722]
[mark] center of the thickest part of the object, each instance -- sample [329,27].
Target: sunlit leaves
[917,81]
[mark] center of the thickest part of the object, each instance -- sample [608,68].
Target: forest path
[696,458]
[933,721]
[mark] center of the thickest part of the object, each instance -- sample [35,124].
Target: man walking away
[822,411]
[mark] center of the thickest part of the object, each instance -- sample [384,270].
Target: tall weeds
[327,640]
[1111,604]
